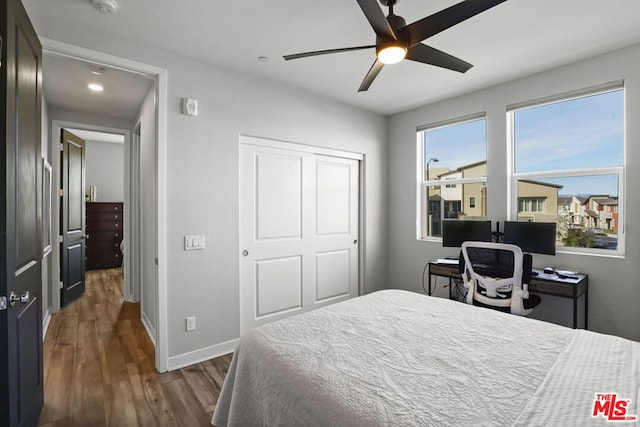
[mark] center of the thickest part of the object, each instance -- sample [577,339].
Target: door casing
[161,88]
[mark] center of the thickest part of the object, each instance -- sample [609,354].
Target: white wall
[147,120]
[202,179]
[105,170]
[614,286]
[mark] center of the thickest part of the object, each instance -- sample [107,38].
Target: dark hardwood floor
[99,367]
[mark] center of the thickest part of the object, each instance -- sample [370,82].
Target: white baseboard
[147,325]
[45,324]
[197,356]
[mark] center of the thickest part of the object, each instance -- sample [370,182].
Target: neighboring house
[465,200]
[538,201]
[603,212]
[591,211]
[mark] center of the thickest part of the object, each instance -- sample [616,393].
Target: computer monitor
[532,237]
[456,231]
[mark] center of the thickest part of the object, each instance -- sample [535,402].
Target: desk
[548,284]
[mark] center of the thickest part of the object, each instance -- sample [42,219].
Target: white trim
[455,121]
[567,96]
[272,143]
[162,328]
[147,325]
[160,74]
[45,323]
[56,127]
[197,356]
[97,58]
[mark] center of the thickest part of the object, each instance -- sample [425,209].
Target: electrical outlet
[191,323]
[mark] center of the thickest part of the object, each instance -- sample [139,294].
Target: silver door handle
[24,298]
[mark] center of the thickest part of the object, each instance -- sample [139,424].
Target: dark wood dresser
[104,227]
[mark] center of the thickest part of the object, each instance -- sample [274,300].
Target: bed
[398,358]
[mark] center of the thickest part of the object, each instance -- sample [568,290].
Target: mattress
[395,358]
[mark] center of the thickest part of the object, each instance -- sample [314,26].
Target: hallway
[99,367]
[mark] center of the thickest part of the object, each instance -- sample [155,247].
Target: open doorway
[143,152]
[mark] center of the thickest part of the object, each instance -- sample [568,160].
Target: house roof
[548,184]
[591,213]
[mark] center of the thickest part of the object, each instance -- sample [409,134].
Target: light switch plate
[194,242]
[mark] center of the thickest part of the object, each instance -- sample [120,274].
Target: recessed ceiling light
[95,87]
[263,59]
[98,71]
[106,6]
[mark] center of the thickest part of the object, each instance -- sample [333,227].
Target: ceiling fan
[395,40]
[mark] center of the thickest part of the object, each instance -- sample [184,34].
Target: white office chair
[496,275]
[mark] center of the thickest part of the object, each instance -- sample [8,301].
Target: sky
[581,133]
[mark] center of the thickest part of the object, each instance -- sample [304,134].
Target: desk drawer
[555,288]
[444,270]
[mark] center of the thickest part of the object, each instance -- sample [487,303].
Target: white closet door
[298,232]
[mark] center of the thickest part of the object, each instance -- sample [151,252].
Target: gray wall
[105,170]
[202,177]
[614,283]
[147,120]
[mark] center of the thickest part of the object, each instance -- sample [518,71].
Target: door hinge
[3,303]
[156,261]
[61,285]
[60,239]
[60,192]
[61,146]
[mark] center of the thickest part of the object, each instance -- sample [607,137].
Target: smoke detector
[106,6]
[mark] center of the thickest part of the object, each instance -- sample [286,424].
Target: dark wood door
[21,385]
[73,217]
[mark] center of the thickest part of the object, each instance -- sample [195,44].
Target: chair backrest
[493,275]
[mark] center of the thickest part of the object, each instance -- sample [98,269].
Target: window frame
[422,205]
[618,171]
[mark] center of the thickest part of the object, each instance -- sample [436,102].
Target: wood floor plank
[120,408]
[151,403]
[89,396]
[58,403]
[202,385]
[100,368]
[185,406]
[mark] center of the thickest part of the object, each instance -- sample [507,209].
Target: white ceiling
[511,40]
[65,83]
[89,135]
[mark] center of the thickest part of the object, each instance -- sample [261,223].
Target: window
[526,204]
[455,152]
[568,161]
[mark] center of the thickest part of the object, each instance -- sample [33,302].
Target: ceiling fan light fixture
[392,54]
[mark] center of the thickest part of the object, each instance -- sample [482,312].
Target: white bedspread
[396,358]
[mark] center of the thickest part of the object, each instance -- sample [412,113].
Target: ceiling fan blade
[326,52]
[428,55]
[376,18]
[446,18]
[371,75]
